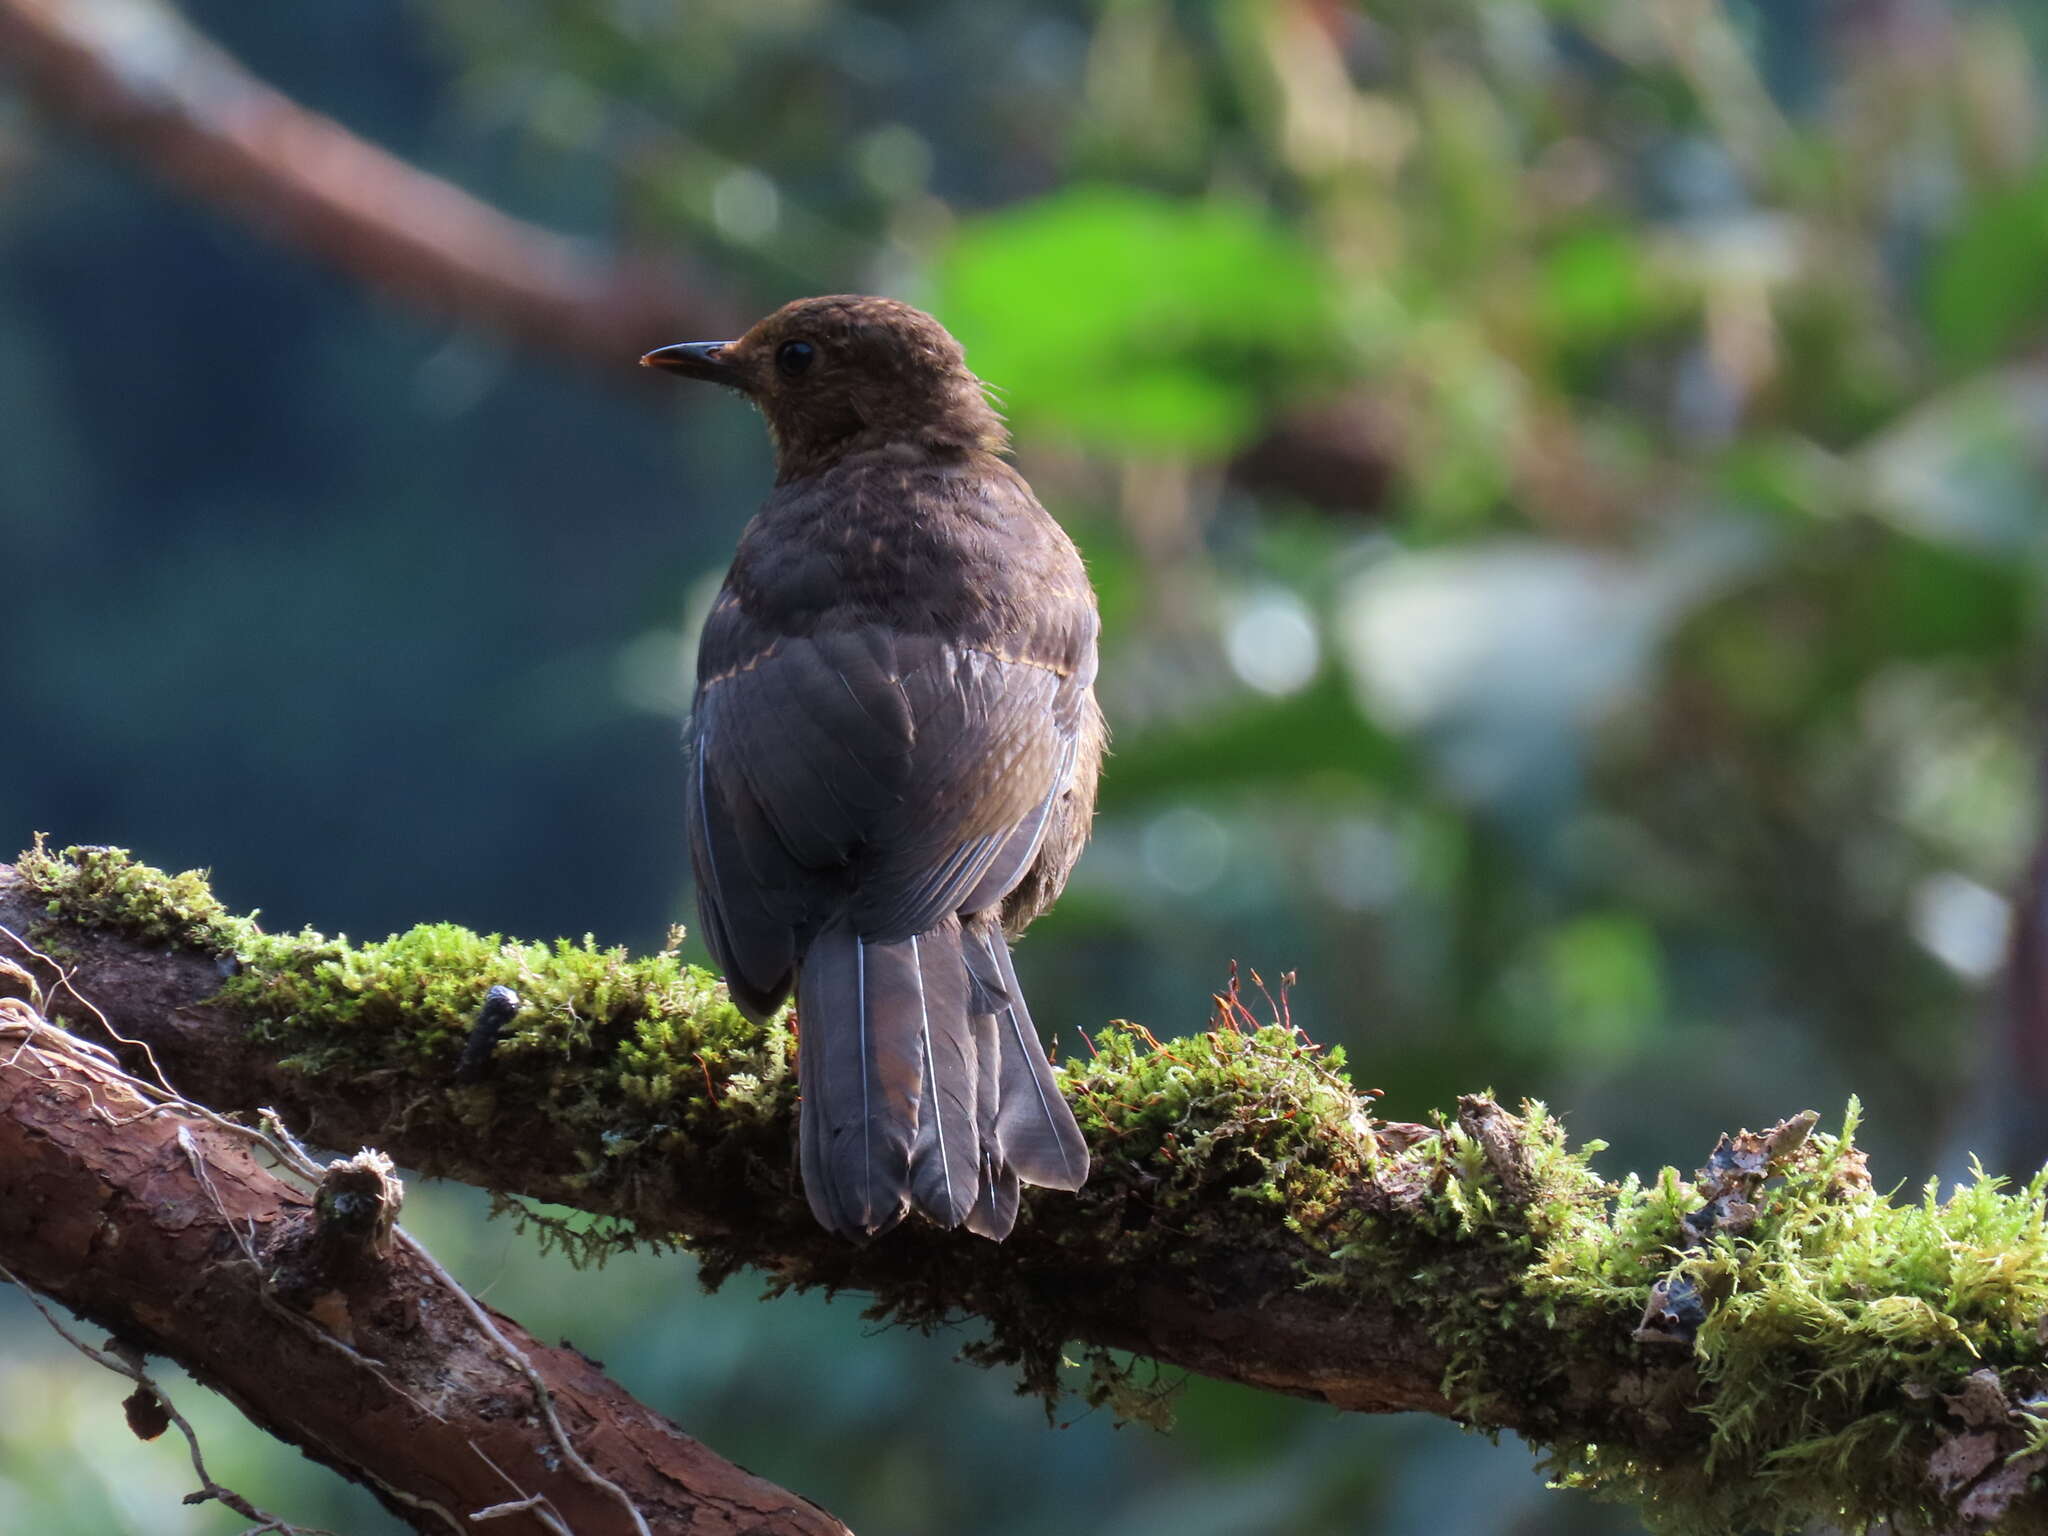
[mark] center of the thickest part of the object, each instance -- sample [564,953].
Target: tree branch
[1770,1344]
[136,76]
[306,1309]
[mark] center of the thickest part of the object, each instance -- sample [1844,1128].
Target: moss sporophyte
[1839,1355]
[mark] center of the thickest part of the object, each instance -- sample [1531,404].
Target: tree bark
[160,1224]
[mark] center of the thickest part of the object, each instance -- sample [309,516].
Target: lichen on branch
[1825,1353]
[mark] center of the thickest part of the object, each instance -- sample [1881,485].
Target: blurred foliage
[1124,319]
[1662,746]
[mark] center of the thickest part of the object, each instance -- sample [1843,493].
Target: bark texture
[163,1227]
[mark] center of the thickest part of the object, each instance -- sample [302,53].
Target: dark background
[1652,732]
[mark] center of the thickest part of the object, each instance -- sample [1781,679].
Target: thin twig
[208,1489]
[64,981]
[533,1503]
[541,1396]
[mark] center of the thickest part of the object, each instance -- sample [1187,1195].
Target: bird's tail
[924,1085]
[890,1080]
[1030,1135]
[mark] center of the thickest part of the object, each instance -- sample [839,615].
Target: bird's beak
[695,360]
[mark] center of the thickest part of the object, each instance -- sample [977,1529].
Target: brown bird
[894,747]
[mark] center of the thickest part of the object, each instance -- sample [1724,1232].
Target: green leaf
[1137,322]
[1605,978]
[1987,290]
[1592,287]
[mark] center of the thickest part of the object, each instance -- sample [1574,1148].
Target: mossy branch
[1771,1344]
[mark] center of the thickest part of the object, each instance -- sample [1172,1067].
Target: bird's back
[895,749]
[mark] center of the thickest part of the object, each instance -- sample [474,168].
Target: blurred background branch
[134,74]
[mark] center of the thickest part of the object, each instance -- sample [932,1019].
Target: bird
[894,744]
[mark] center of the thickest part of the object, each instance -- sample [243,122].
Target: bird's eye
[794,357]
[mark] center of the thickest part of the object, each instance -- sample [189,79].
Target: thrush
[893,754]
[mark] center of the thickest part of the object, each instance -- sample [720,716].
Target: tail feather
[1034,1126]
[995,1206]
[946,1158]
[998,1190]
[924,1084]
[862,1070]
[814,1135]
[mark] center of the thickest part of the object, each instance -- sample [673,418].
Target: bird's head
[839,374]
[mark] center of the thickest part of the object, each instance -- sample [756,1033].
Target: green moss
[1840,1326]
[624,1061]
[106,888]
[1249,1137]
[628,1060]
[1231,1118]
[1837,1327]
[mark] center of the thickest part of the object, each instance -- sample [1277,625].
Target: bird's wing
[889,776]
[994,747]
[798,744]
[751,924]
